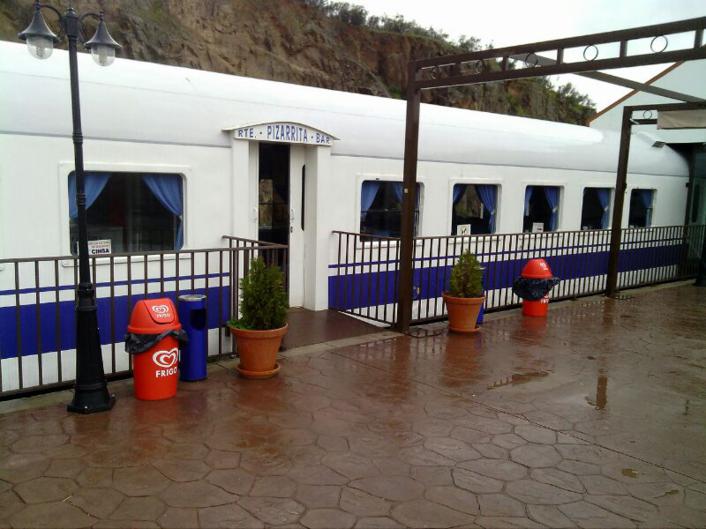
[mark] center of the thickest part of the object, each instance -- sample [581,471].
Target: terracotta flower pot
[463,313]
[258,351]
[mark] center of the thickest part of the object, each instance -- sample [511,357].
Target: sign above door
[283,132]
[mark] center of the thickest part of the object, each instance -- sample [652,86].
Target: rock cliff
[297,41]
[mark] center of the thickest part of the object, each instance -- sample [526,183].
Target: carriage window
[641,202]
[381,208]
[474,209]
[541,209]
[595,211]
[129,212]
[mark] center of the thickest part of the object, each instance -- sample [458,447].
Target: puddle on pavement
[601,399]
[518,378]
[629,472]
[421,332]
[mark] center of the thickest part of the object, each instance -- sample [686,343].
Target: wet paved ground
[594,418]
[307,327]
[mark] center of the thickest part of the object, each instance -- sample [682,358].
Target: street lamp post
[91,390]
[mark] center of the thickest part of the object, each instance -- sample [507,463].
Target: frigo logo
[167,360]
[160,309]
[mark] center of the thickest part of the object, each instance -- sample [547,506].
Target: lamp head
[40,39]
[102,45]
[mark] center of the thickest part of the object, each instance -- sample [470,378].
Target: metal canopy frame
[501,65]
[621,180]
[621,81]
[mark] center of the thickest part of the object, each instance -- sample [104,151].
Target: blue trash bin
[192,315]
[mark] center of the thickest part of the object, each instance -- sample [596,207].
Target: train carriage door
[273,193]
[281,182]
[297,218]
[279,197]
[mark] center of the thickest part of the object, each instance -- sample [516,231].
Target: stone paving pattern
[592,418]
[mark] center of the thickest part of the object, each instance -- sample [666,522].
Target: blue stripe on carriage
[27,315]
[116,284]
[368,289]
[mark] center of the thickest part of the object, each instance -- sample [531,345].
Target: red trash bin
[154,335]
[537,309]
[536,269]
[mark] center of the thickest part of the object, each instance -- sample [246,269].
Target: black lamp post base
[91,401]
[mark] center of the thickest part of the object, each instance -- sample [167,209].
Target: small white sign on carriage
[463,229]
[100,247]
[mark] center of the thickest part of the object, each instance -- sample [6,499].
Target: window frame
[391,178]
[611,204]
[64,168]
[450,199]
[561,186]
[497,182]
[650,210]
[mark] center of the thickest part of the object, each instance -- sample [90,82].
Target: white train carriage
[178,158]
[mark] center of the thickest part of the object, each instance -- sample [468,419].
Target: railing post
[620,188]
[701,276]
[411,145]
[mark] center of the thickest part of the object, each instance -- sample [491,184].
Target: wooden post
[409,197]
[621,182]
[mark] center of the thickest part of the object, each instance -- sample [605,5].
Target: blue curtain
[459,190]
[604,199]
[94,184]
[552,196]
[167,188]
[367,195]
[646,197]
[398,190]
[528,196]
[489,197]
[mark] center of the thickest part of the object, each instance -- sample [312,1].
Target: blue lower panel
[379,288]
[64,334]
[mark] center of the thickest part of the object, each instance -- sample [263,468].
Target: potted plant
[263,320]
[465,296]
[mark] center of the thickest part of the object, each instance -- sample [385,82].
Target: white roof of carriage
[140,101]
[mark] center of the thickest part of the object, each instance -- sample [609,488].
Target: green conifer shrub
[466,277]
[263,300]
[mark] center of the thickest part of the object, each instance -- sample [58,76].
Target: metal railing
[363,281]
[248,249]
[37,295]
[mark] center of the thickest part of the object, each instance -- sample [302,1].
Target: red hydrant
[533,286]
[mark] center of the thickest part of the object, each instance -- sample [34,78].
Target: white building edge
[685,77]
